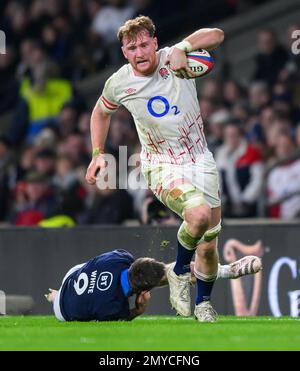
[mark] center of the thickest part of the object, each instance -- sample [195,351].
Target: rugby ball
[200,62]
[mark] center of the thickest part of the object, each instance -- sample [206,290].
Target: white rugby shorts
[184,186]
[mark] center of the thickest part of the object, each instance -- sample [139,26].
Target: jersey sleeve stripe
[106,106]
[112,105]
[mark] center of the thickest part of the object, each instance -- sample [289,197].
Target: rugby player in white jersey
[158,89]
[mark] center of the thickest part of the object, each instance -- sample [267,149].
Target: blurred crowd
[76,37]
[252,129]
[70,40]
[45,152]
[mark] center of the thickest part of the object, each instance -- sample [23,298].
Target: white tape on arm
[185,46]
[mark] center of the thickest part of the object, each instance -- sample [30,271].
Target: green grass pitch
[150,333]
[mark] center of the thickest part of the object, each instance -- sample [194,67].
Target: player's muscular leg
[197,219]
[206,269]
[207,258]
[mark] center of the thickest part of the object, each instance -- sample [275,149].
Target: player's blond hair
[133,26]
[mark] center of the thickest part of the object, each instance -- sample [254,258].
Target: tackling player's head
[145,273]
[139,44]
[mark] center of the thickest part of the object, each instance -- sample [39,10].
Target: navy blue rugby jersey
[94,291]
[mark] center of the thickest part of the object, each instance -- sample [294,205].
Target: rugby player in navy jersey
[99,289]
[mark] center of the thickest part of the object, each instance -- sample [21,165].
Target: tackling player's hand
[96,165]
[177,62]
[50,296]
[141,301]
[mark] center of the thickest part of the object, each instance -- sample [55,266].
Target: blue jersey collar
[125,283]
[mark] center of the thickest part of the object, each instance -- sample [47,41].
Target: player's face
[141,53]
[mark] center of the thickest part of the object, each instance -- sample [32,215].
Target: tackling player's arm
[141,302]
[205,38]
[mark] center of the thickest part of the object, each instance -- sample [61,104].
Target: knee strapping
[183,196]
[205,277]
[190,242]
[186,239]
[212,233]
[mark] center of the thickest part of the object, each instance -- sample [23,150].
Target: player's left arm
[141,302]
[205,38]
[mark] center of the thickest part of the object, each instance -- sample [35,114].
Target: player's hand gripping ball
[200,62]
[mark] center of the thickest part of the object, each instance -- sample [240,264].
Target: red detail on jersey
[174,159]
[187,147]
[152,144]
[108,104]
[105,104]
[201,133]
[130,91]
[185,134]
[189,142]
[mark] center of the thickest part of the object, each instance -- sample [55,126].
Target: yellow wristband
[97,151]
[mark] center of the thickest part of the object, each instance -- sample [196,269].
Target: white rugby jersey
[165,110]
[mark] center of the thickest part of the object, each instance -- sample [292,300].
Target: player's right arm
[100,122]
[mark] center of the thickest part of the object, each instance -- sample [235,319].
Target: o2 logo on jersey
[104,281]
[159,106]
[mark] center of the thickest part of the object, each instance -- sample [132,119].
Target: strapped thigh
[173,189]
